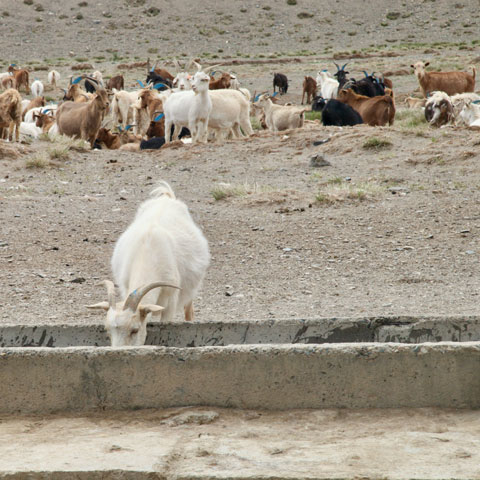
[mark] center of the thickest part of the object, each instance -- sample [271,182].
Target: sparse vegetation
[311,115]
[227,190]
[410,119]
[37,160]
[339,191]
[374,143]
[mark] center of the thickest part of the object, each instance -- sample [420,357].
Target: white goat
[30,130]
[162,248]
[29,115]
[280,117]
[328,85]
[36,88]
[470,114]
[122,102]
[190,108]
[53,77]
[96,75]
[230,112]
[234,83]
[459,101]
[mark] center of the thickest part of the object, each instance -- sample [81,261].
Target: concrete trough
[240,332]
[273,365]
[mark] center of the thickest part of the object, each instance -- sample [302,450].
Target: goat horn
[110,292]
[206,70]
[188,65]
[177,65]
[343,68]
[199,67]
[136,296]
[338,68]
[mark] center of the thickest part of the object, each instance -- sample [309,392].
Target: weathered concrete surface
[249,376]
[239,332]
[196,443]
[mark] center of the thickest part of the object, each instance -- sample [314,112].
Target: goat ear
[153,309]
[101,305]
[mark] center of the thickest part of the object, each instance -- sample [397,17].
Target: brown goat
[448,82]
[116,82]
[375,111]
[83,120]
[76,94]
[309,88]
[21,78]
[149,100]
[113,141]
[156,129]
[44,121]
[35,103]
[8,82]
[220,83]
[11,112]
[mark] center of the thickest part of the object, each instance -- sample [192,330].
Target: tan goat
[83,120]
[448,82]
[11,112]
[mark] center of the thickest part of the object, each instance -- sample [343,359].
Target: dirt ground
[390,229]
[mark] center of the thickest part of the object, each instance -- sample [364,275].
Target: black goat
[154,78]
[281,81]
[370,86]
[318,103]
[153,143]
[341,75]
[340,114]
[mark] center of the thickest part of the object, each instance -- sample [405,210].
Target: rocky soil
[389,226]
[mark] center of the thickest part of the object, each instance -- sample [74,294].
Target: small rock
[318,160]
[78,280]
[470,252]
[316,143]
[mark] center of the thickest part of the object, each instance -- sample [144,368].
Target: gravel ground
[285,241]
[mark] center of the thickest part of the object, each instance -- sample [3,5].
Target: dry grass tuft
[340,191]
[37,160]
[228,190]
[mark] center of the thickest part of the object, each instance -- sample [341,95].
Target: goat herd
[202,106]
[163,248]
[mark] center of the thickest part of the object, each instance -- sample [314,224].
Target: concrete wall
[44,380]
[239,332]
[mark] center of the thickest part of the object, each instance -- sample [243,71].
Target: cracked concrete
[201,443]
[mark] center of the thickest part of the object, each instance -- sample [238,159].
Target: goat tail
[474,73]
[163,188]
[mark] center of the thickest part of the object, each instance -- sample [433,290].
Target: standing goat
[309,88]
[281,81]
[36,88]
[328,85]
[11,112]
[83,120]
[190,108]
[163,248]
[53,77]
[448,82]
[21,78]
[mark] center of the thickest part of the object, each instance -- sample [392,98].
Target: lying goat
[439,109]
[162,249]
